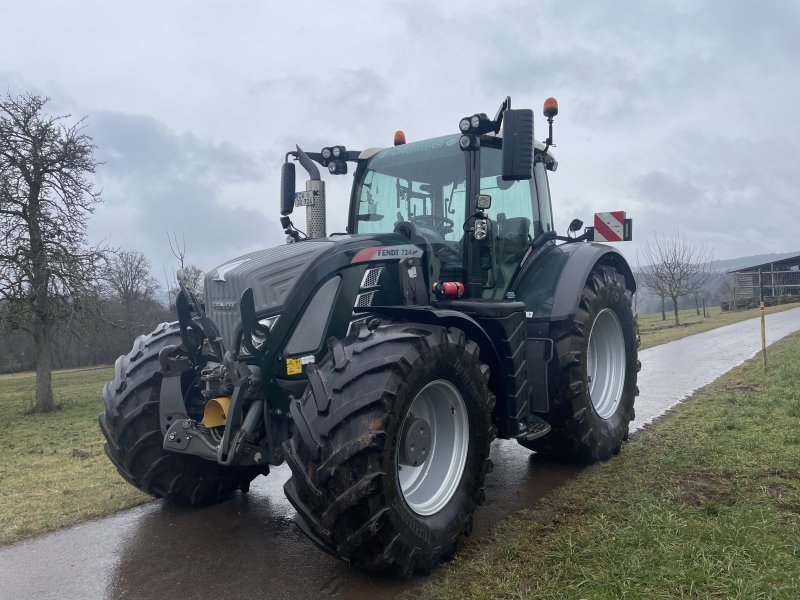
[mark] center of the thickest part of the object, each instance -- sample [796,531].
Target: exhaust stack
[315,212]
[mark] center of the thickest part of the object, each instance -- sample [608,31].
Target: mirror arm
[549,141]
[498,118]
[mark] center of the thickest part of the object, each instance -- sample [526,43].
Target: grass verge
[655,331]
[703,504]
[53,471]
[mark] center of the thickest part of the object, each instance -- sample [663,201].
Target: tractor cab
[474,201]
[421,187]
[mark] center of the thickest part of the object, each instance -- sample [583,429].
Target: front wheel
[391,446]
[134,441]
[597,372]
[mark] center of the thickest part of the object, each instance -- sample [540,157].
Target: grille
[371,277]
[365,299]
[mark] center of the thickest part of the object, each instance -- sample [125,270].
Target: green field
[53,471]
[655,331]
[703,504]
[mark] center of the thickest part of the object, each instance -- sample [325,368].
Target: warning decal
[609,226]
[294,366]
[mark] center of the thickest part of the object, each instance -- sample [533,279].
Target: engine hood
[272,273]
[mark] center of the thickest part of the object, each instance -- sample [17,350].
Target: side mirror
[517,144]
[287,188]
[575,225]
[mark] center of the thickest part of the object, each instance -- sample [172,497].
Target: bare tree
[649,279]
[47,270]
[676,267]
[727,291]
[650,282]
[128,275]
[192,275]
[134,289]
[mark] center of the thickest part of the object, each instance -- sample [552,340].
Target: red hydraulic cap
[550,108]
[399,137]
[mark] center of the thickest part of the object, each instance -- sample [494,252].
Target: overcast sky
[683,114]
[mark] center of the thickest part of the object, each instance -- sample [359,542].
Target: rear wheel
[130,424]
[597,371]
[391,446]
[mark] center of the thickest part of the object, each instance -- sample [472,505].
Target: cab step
[538,428]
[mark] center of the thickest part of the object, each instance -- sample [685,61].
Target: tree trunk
[697,304]
[44,379]
[675,309]
[663,308]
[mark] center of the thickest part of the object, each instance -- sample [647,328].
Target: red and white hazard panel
[609,226]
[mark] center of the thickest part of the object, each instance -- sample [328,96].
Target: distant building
[775,282]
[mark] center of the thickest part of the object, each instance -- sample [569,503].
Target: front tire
[365,488]
[597,372]
[130,424]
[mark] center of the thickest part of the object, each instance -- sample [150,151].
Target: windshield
[424,182]
[421,182]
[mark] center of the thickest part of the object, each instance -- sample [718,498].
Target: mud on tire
[130,424]
[343,453]
[579,432]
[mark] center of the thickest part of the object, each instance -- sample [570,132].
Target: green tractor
[380,363]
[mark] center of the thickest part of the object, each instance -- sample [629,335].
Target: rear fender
[550,285]
[576,272]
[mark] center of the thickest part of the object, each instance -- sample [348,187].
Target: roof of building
[782,264]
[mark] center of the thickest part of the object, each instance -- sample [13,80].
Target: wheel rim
[428,487]
[606,363]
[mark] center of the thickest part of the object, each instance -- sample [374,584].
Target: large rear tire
[133,434]
[597,372]
[391,446]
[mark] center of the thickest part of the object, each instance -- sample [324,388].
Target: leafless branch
[676,267]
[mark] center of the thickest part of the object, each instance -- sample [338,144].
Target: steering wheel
[441,224]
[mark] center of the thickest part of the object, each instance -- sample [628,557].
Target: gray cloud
[681,113]
[156,181]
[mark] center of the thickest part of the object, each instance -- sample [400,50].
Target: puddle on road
[258,551]
[248,547]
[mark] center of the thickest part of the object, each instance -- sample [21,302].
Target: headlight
[464,125]
[259,338]
[326,153]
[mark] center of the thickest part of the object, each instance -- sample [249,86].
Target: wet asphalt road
[249,548]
